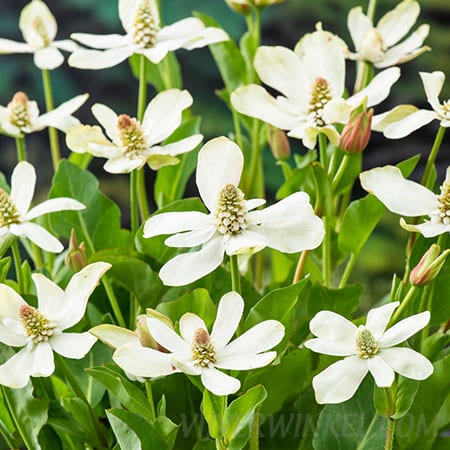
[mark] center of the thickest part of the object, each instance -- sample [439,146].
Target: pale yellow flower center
[131,135]
[8,211]
[320,96]
[366,345]
[36,326]
[442,213]
[230,216]
[146,24]
[18,110]
[203,352]
[445,109]
[40,29]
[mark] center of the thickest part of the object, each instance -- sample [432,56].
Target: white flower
[432,83]
[39,29]
[378,44]
[21,116]
[410,199]
[197,352]
[132,144]
[144,36]
[40,330]
[312,81]
[367,348]
[16,215]
[231,227]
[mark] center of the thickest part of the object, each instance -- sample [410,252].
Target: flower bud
[145,337]
[356,134]
[76,255]
[371,47]
[244,6]
[278,143]
[429,266]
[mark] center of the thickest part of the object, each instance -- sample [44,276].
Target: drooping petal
[48,58]
[99,59]
[156,53]
[407,362]
[218,382]
[220,161]
[378,318]
[37,11]
[381,371]
[246,242]
[358,24]
[245,362]
[23,182]
[207,36]
[8,46]
[115,336]
[73,345]
[124,164]
[168,338]
[15,373]
[398,194]
[175,222]
[408,124]
[427,229]
[189,267]
[404,329]
[191,238]
[261,337]
[50,296]
[54,205]
[79,138]
[109,151]
[178,147]
[331,347]
[189,324]
[164,113]
[333,327]
[339,382]
[43,363]
[99,41]
[37,234]
[229,314]
[433,83]
[66,44]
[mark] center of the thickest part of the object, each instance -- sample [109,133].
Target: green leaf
[239,416]
[213,408]
[125,435]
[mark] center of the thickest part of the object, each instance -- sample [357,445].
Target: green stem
[403,304]
[20,147]
[149,391]
[390,434]
[427,295]
[326,253]
[323,150]
[18,266]
[426,178]
[52,132]
[235,275]
[255,157]
[340,172]
[142,194]
[300,266]
[348,270]
[237,129]
[134,211]
[371,9]
[142,92]
[253,443]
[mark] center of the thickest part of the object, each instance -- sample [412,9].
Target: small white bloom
[367,348]
[40,330]
[432,83]
[231,227]
[312,81]
[379,44]
[39,29]
[410,199]
[21,116]
[132,144]
[16,215]
[197,352]
[144,35]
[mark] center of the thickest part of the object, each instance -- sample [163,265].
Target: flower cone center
[18,110]
[442,213]
[366,345]
[36,326]
[8,211]
[131,135]
[320,96]
[203,352]
[231,213]
[146,25]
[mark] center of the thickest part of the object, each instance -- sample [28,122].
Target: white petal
[404,329]
[37,234]
[191,238]
[108,119]
[220,161]
[229,314]
[407,362]
[127,13]
[12,333]
[189,324]
[333,327]
[79,138]
[381,371]
[10,302]
[245,362]
[339,381]
[15,373]
[124,164]
[166,337]
[378,318]
[99,59]
[175,222]
[23,182]
[37,10]
[358,24]
[255,101]
[219,383]
[207,36]
[410,123]
[48,58]
[180,33]
[399,195]
[99,41]
[245,242]
[254,203]
[43,364]
[331,347]
[143,361]
[8,46]
[54,205]
[381,121]
[178,147]
[66,44]
[433,83]
[50,296]
[190,267]
[261,337]
[427,229]
[78,290]
[158,52]
[72,345]
[115,336]
[164,113]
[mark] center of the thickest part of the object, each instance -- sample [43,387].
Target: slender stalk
[134,212]
[371,9]
[253,443]
[323,150]
[348,270]
[404,303]
[255,157]
[326,253]
[300,266]
[142,194]
[390,434]
[149,391]
[20,147]
[340,172]
[18,266]
[427,295]
[235,275]
[142,90]
[426,178]
[52,132]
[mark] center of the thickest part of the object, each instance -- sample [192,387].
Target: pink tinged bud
[20,98]
[76,255]
[356,133]
[240,6]
[278,143]
[429,266]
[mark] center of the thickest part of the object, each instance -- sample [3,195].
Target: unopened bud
[429,266]
[278,143]
[76,255]
[244,6]
[356,134]
[145,337]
